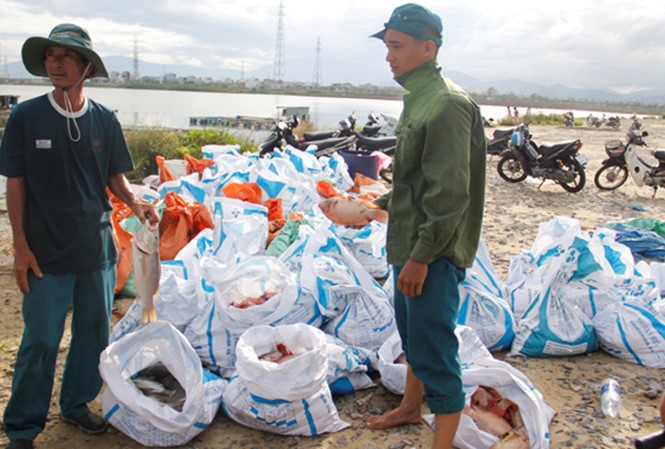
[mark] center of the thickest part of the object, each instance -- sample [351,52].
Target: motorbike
[347,127]
[282,135]
[569,119]
[560,162]
[499,141]
[613,122]
[623,159]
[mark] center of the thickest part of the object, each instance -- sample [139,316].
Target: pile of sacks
[232,298]
[271,310]
[573,292]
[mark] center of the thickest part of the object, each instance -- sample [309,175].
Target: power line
[278,72]
[317,63]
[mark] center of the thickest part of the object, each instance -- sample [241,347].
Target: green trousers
[45,308]
[426,325]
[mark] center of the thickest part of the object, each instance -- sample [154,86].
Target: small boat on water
[251,122]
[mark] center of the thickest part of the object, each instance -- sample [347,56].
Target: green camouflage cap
[66,35]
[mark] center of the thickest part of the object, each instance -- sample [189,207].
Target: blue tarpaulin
[642,243]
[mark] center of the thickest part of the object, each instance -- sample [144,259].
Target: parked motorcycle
[612,122]
[499,141]
[560,162]
[623,159]
[282,134]
[569,119]
[347,127]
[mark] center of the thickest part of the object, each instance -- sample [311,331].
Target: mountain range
[361,72]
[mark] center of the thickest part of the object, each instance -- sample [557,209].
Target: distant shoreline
[392,94]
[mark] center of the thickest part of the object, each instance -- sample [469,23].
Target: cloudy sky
[578,43]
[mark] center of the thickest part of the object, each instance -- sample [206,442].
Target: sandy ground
[569,384]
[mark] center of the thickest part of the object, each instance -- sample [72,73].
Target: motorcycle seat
[371,130]
[323,143]
[660,155]
[551,148]
[375,143]
[318,135]
[498,133]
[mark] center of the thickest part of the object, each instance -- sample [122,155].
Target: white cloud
[613,44]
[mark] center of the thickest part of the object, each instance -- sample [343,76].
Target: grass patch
[145,144]
[538,119]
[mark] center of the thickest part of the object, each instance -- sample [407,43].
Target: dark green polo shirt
[437,201]
[67,211]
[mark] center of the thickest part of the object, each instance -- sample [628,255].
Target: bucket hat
[66,35]
[414,20]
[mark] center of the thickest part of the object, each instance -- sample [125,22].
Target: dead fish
[351,212]
[147,269]
[280,355]
[488,421]
[254,301]
[512,440]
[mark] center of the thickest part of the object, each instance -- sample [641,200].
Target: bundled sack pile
[278,309]
[269,260]
[575,291]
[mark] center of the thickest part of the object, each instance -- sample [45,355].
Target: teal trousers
[426,325]
[45,308]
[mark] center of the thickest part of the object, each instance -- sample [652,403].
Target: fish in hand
[351,212]
[147,269]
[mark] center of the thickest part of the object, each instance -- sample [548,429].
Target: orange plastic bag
[275,211]
[360,180]
[326,190]
[197,166]
[245,191]
[274,226]
[181,222]
[164,173]
[122,240]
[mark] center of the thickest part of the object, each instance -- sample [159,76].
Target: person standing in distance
[60,152]
[435,217]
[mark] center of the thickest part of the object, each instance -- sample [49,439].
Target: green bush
[146,144]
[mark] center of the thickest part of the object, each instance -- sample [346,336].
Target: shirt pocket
[409,148]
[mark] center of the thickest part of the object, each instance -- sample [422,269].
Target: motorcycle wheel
[611,177]
[511,169]
[580,177]
[615,125]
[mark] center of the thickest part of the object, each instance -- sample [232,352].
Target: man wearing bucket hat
[436,208]
[60,152]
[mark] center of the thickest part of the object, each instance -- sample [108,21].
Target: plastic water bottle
[610,397]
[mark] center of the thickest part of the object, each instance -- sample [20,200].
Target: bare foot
[394,418]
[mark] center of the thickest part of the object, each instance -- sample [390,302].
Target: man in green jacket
[436,210]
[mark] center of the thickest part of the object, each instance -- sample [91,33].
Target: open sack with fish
[280,385]
[503,409]
[157,392]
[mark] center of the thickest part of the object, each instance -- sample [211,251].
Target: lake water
[172,109]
